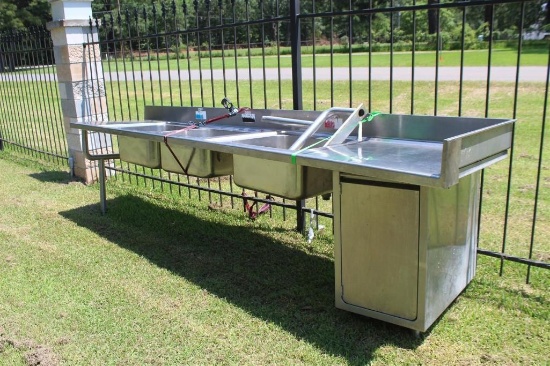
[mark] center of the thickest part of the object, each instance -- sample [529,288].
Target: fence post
[79,77]
[296,51]
[297,104]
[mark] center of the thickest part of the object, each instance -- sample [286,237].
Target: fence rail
[250,51]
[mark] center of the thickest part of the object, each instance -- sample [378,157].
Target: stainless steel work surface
[398,157]
[430,151]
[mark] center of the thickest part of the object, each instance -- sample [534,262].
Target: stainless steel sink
[282,179]
[197,162]
[154,153]
[186,155]
[396,175]
[140,150]
[431,151]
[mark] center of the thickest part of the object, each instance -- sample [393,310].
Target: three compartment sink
[413,181]
[431,151]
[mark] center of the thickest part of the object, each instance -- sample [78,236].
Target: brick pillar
[80,79]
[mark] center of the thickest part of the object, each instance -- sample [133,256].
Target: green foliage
[22,14]
[8,19]
[135,18]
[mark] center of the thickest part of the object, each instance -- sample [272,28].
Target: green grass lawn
[501,101]
[165,280]
[126,101]
[500,57]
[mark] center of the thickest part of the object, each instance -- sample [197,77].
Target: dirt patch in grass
[35,354]
[10,259]
[42,356]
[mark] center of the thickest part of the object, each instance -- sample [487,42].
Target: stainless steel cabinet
[403,252]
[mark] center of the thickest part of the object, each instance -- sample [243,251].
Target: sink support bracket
[100,158]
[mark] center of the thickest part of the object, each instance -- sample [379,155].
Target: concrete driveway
[504,74]
[497,73]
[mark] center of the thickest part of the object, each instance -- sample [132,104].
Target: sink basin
[141,151]
[280,178]
[153,153]
[198,162]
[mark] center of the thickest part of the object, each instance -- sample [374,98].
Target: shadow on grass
[535,50]
[53,176]
[244,265]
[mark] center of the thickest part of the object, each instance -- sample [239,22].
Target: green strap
[369,117]
[293,156]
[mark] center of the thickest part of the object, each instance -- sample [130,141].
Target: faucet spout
[299,143]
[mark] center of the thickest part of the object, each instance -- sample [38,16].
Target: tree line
[122,17]
[498,22]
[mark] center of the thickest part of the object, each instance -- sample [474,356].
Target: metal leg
[300,216]
[102,195]
[101,159]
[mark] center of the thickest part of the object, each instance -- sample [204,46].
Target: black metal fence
[31,120]
[396,56]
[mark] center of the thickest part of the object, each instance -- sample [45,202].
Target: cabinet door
[379,242]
